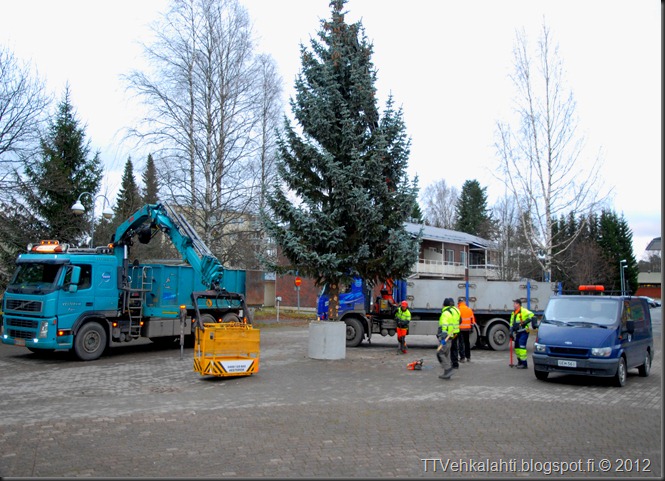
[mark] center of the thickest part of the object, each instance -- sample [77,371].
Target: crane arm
[151,218]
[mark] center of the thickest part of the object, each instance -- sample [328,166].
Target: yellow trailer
[227,349]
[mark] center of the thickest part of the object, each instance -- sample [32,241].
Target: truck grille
[21,334]
[24,305]
[570,351]
[21,323]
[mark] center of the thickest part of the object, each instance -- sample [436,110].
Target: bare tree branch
[542,160]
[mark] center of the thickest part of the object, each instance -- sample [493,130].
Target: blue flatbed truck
[88,299]
[366,315]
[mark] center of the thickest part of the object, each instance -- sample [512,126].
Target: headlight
[539,347]
[601,351]
[43,329]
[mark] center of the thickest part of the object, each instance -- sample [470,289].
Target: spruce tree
[63,173]
[129,198]
[472,214]
[616,242]
[150,182]
[342,196]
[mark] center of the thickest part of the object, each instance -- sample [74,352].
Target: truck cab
[50,289]
[594,335]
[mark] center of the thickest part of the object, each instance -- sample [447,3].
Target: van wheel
[541,375]
[620,376]
[90,342]
[645,368]
[354,332]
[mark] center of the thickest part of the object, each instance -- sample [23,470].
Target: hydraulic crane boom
[151,218]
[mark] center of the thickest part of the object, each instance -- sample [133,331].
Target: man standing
[467,321]
[447,333]
[402,319]
[520,321]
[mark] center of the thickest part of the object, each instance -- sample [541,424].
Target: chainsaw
[415,365]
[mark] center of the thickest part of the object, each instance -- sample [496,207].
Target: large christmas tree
[342,194]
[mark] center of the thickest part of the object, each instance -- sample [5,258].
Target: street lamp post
[78,209]
[622,266]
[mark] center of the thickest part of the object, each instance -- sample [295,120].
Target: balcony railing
[456,270]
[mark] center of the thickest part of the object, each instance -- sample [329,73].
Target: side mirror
[76,275]
[630,326]
[74,279]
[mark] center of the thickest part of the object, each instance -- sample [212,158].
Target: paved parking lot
[143,411]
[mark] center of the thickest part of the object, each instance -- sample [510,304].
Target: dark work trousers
[454,351]
[464,344]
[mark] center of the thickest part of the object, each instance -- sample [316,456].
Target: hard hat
[405,304]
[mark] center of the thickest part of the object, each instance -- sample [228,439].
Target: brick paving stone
[143,411]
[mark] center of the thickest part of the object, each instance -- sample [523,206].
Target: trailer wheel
[497,336]
[90,341]
[354,331]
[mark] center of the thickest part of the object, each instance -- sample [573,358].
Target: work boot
[521,365]
[446,374]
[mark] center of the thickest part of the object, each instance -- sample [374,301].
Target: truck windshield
[583,309]
[35,278]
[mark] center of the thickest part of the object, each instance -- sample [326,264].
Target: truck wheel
[645,368]
[230,317]
[620,376]
[497,337]
[354,332]
[207,319]
[90,342]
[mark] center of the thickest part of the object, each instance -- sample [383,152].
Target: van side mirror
[630,326]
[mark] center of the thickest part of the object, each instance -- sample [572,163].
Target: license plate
[19,342]
[563,363]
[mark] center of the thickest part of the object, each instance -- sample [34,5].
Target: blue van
[594,335]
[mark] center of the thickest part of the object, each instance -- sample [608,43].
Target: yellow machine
[226,349]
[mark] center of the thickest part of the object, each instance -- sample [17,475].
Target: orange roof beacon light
[48,247]
[592,288]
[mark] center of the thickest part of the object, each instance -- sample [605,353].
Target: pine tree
[150,182]
[472,214]
[347,169]
[62,174]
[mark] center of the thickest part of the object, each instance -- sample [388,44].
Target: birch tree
[439,201]
[24,104]
[205,102]
[541,155]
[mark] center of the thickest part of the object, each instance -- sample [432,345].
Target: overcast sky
[446,63]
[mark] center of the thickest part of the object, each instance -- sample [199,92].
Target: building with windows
[649,282]
[448,254]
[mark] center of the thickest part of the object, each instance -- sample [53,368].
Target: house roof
[447,235]
[654,245]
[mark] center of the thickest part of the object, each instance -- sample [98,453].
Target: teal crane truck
[89,299]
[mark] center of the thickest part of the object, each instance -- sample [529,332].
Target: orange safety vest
[467,318]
